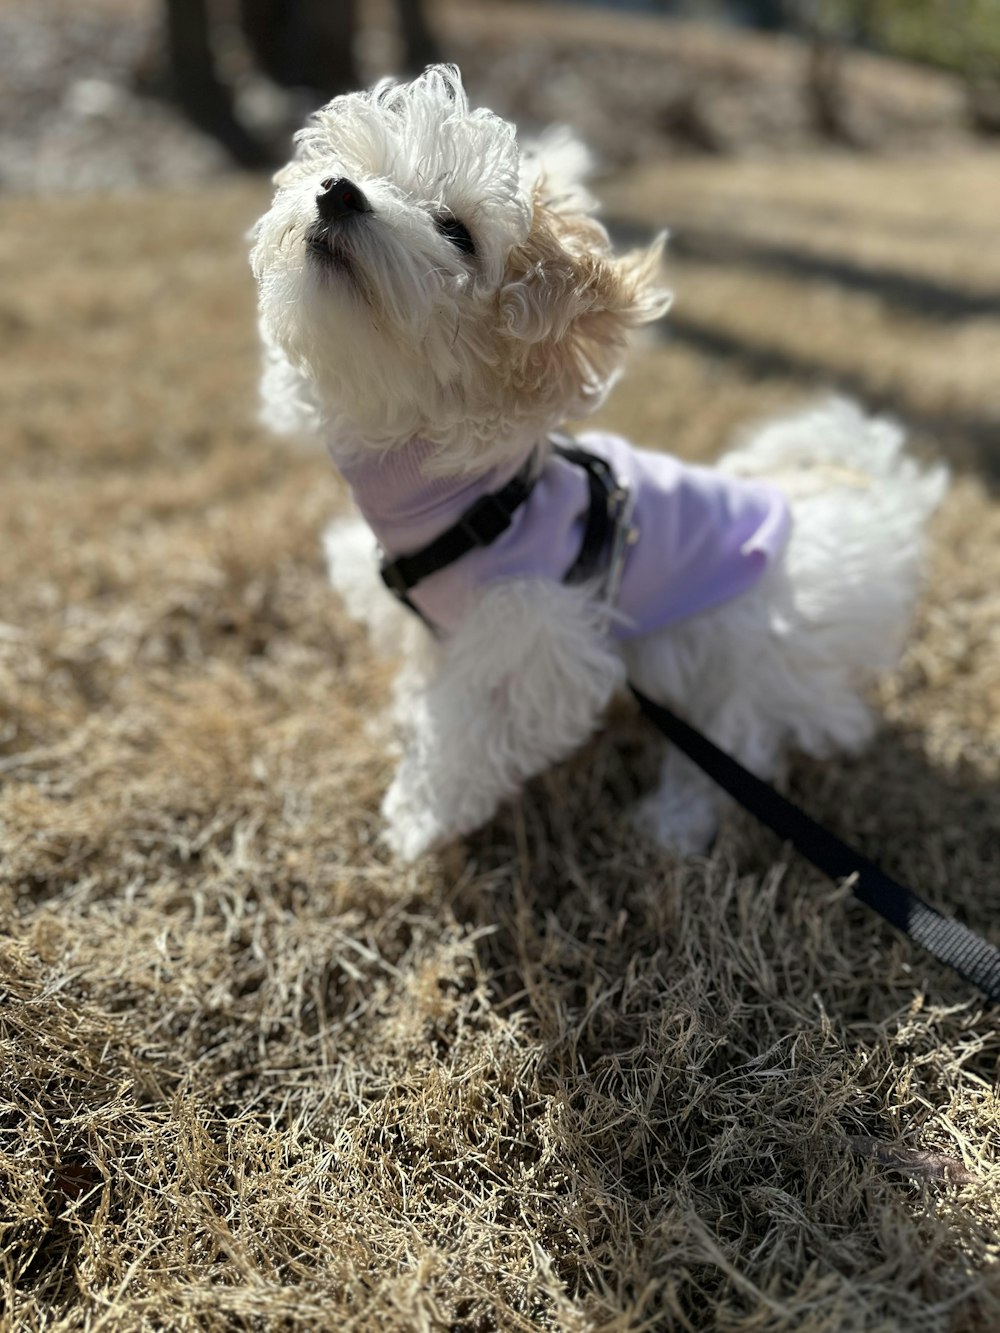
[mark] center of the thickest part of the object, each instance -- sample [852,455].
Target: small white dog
[436,303]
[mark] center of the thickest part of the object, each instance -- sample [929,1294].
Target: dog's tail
[860,508]
[835,445]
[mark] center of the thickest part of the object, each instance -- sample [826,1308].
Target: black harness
[491,515]
[604,533]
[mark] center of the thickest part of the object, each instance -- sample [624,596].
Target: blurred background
[107,93]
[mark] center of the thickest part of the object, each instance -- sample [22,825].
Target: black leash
[946,939]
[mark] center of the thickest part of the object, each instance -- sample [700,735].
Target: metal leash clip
[621,507]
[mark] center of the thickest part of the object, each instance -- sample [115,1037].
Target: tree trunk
[202,96]
[420,47]
[304,43]
[770,15]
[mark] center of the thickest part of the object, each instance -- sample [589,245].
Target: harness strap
[480,524]
[601,485]
[946,939]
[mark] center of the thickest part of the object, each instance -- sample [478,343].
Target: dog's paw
[686,828]
[411,825]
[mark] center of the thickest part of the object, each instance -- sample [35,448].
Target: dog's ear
[554,171]
[564,288]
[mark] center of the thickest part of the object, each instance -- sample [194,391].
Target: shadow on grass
[968,441]
[904,291]
[937,831]
[910,292]
[721,1035]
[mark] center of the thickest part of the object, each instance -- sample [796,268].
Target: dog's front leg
[522,683]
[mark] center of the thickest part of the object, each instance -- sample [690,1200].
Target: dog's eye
[457,232]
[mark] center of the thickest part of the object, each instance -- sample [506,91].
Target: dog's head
[419,276]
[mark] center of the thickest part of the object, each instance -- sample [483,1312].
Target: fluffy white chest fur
[421,277]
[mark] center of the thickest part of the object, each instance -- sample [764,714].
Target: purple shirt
[703,536]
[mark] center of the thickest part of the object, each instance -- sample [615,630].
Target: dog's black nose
[339,198]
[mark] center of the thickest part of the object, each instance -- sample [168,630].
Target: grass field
[256,1077]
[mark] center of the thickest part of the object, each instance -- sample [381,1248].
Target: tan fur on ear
[569,304]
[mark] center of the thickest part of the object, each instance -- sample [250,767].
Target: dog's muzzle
[339,199]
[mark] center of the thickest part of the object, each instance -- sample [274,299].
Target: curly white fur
[406,336]
[789,665]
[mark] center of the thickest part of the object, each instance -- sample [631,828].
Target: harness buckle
[485,520]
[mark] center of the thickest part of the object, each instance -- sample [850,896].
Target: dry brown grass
[256,1077]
